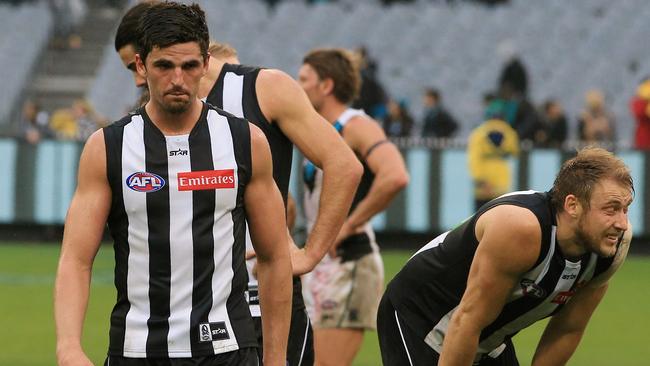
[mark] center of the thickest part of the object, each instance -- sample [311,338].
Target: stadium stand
[568,48]
[25,30]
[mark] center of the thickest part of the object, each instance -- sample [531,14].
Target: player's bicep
[509,240]
[263,201]
[291,109]
[90,205]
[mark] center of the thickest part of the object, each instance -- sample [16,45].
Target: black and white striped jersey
[234,91]
[178,223]
[427,291]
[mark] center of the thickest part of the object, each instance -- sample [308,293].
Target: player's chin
[607,248]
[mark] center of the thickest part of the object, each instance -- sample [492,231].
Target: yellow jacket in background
[489,146]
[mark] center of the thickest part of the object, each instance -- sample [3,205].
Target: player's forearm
[554,350]
[460,343]
[381,194]
[340,181]
[70,301]
[275,288]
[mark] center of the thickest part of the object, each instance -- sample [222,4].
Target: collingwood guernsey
[178,223]
[427,291]
[234,91]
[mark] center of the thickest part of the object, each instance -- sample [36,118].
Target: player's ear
[572,206]
[139,65]
[327,85]
[206,64]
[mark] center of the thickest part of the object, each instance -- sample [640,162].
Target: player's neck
[331,110]
[171,124]
[566,237]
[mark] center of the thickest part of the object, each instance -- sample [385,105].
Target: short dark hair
[433,93]
[169,23]
[339,65]
[127,31]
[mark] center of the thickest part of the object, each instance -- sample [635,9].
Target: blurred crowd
[74,123]
[541,124]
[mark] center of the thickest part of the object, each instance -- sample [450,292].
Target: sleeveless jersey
[427,291]
[177,219]
[235,92]
[313,181]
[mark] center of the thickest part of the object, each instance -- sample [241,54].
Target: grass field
[619,332]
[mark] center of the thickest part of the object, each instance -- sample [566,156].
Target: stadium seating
[568,47]
[24,31]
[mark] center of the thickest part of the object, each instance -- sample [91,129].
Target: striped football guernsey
[427,291]
[178,223]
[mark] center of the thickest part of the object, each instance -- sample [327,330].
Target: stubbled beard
[591,244]
[176,107]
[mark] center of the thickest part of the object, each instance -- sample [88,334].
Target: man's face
[173,74]
[127,55]
[312,85]
[601,225]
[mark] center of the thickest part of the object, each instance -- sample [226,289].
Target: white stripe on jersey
[432,244]
[233,86]
[223,157]
[137,280]
[181,250]
[233,99]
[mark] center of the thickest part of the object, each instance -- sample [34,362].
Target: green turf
[617,335]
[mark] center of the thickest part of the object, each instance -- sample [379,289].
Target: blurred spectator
[33,124]
[77,122]
[488,149]
[554,125]
[518,113]
[512,94]
[640,108]
[372,97]
[513,80]
[398,122]
[596,124]
[437,121]
[68,15]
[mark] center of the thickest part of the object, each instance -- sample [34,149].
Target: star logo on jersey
[210,332]
[179,152]
[206,179]
[145,182]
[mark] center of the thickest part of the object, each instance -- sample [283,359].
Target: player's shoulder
[275,77]
[125,120]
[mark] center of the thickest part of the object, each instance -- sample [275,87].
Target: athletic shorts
[345,294]
[400,345]
[300,348]
[243,357]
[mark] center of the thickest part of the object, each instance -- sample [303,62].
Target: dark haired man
[126,38]
[276,103]
[177,181]
[522,257]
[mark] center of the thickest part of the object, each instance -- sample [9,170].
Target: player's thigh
[337,346]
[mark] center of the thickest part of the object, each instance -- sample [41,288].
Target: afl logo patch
[145,182]
[530,288]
